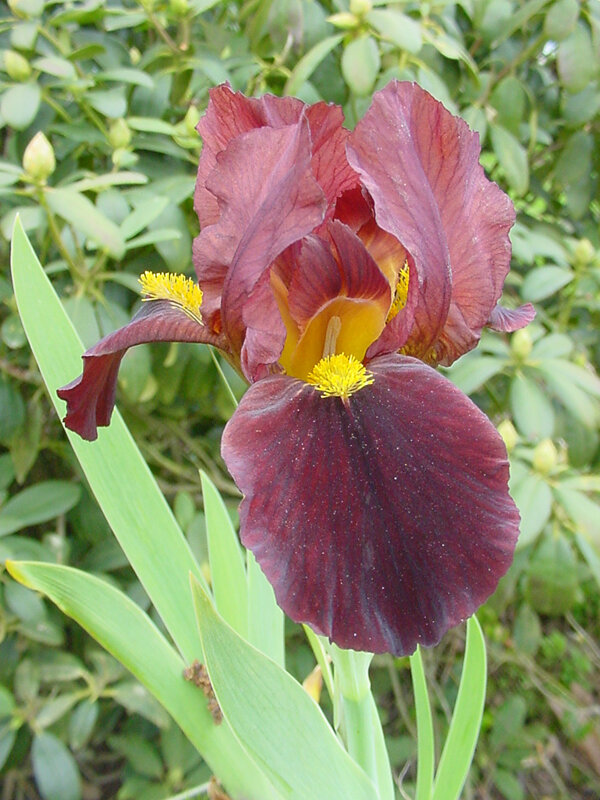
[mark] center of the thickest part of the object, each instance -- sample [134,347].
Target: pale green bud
[344,20]
[191,119]
[360,7]
[545,457]
[135,56]
[38,159]
[119,134]
[584,252]
[521,344]
[16,66]
[509,434]
[179,7]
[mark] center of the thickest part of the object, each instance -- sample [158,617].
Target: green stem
[425,741]
[352,680]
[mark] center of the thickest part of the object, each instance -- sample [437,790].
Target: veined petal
[508,320]
[90,398]
[229,114]
[421,166]
[381,520]
[269,198]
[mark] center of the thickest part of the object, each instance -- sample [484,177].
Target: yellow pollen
[339,376]
[178,290]
[400,294]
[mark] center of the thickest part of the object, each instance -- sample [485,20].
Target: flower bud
[545,457]
[191,119]
[135,56]
[119,134]
[179,7]
[509,434]
[584,252]
[26,10]
[360,7]
[16,66]
[38,159]
[521,344]
[344,20]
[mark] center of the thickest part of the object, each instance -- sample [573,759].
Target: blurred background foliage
[117,88]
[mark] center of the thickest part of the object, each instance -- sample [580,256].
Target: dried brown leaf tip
[215,790]
[196,673]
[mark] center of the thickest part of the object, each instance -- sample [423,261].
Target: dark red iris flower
[337,269]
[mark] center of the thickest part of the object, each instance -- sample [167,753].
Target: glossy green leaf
[473,370]
[561,18]
[80,212]
[585,514]
[122,482]
[512,157]
[134,507]
[274,718]
[531,407]
[39,503]
[552,576]
[110,102]
[544,282]
[533,497]
[227,572]
[576,59]
[19,105]
[463,733]
[53,65]
[360,64]
[123,629]
[143,215]
[398,28]
[265,618]
[305,66]
[54,769]
[576,399]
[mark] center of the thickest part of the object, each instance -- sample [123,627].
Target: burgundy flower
[337,269]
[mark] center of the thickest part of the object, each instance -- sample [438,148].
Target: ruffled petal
[421,166]
[380,521]
[268,198]
[508,320]
[90,398]
[229,114]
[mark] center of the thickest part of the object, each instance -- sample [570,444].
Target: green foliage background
[117,88]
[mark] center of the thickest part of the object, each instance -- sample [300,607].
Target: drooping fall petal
[90,398]
[420,165]
[382,520]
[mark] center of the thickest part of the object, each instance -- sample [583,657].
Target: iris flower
[335,271]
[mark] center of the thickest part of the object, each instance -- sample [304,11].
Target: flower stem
[354,688]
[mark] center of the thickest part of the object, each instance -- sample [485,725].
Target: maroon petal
[229,114]
[269,199]
[508,320]
[338,267]
[382,521]
[421,166]
[90,398]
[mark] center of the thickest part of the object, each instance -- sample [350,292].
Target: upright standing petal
[421,166]
[229,114]
[381,520]
[269,199]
